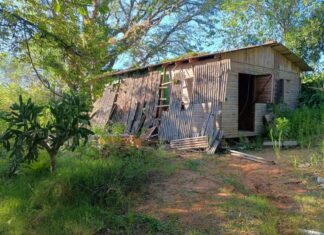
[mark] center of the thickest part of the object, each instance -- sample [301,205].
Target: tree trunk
[53,161]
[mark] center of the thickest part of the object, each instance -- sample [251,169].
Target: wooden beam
[193,60]
[166,83]
[251,157]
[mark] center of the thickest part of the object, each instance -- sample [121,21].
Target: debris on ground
[304,165]
[251,157]
[190,143]
[311,232]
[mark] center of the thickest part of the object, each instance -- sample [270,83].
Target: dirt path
[199,192]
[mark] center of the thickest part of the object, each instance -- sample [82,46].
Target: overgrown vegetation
[68,121]
[306,123]
[88,194]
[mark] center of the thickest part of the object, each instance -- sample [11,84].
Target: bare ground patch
[226,195]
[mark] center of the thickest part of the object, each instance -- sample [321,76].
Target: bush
[27,134]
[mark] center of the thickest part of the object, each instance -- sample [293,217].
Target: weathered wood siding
[103,107]
[257,61]
[137,100]
[201,115]
[260,110]
[203,94]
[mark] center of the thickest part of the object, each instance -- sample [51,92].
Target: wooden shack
[204,95]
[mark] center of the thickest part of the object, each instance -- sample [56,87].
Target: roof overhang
[273,44]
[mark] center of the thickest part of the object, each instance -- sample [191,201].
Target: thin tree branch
[44,82]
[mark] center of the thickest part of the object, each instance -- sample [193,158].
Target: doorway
[246,100]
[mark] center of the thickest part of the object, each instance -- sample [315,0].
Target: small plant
[278,133]
[26,134]
[117,128]
[193,164]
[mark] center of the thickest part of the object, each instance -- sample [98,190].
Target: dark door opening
[246,107]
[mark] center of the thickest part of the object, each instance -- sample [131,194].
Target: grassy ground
[87,195]
[153,192]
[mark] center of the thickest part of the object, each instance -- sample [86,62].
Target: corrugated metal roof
[273,44]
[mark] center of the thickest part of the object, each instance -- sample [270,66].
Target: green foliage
[299,24]
[192,164]
[86,195]
[305,124]
[278,132]
[25,131]
[74,42]
[18,78]
[69,122]
[117,128]
[312,90]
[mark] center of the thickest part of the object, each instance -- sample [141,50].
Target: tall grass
[86,195]
[305,124]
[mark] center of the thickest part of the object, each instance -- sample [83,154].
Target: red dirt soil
[193,197]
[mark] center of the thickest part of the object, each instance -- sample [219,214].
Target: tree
[297,23]
[74,41]
[26,134]
[18,78]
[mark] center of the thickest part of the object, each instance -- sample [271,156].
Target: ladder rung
[163,98]
[163,105]
[165,83]
[163,87]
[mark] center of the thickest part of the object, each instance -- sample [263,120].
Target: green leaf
[57,6]
[82,11]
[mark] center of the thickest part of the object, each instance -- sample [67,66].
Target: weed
[237,185]
[278,132]
[192,164]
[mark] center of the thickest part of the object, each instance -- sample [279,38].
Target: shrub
[68,121]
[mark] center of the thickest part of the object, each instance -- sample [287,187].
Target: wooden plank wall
[257,61]
[137,100]
[260,111]
[102,108]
